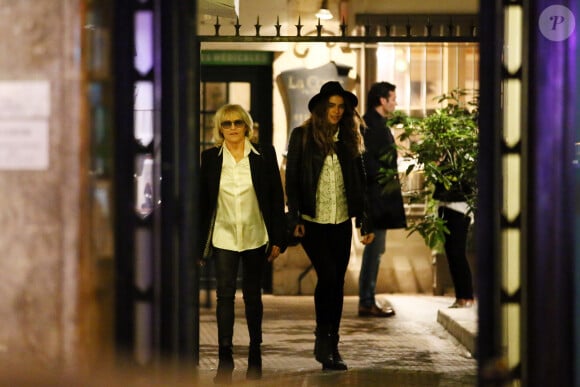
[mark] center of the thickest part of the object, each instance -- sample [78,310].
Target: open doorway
[237,77]
[421,71]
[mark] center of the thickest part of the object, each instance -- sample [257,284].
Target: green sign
[236,58]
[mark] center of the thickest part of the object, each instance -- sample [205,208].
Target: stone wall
[40,216]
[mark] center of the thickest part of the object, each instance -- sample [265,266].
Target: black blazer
[267,184]
[387,208]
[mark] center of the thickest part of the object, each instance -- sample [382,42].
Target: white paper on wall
[24,127]
[24,144]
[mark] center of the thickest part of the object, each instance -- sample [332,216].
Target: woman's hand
[274,253]
[368,238]
[299,231]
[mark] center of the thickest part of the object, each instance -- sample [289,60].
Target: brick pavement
[410,349]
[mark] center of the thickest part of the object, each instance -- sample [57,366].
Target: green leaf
[445,145]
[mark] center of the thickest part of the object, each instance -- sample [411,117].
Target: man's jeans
[369,270]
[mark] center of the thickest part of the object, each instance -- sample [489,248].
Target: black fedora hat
[329,89]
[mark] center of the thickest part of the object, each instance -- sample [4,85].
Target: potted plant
[442,148]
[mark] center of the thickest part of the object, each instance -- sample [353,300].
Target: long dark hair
[322,133]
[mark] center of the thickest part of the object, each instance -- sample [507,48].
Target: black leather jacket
[303,167]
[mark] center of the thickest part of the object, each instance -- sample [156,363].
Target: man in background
[386,201]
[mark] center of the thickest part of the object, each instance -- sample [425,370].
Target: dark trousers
[226,271]
[455,250]
[328,248]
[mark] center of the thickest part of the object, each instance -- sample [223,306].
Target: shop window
[423,71]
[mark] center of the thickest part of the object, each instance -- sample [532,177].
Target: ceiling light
[324,13]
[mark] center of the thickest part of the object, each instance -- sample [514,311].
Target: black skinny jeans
[226,271]
[455,250]
[328,248]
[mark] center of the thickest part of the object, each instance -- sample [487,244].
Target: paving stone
[410,349]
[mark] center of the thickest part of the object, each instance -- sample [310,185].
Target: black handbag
[208,248]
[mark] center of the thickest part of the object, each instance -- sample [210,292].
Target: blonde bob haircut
[220,115]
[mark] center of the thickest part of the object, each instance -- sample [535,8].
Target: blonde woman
[242,219]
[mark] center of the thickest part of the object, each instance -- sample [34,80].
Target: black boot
[254,371]
[337,363]
[323,347]
[225,366]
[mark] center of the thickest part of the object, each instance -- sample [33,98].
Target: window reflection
[239,92]
[144,200]
[144,41]
[143,112]
[212,96]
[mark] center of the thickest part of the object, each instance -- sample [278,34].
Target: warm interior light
[324,13]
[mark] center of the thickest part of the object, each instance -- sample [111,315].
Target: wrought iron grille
[370,28]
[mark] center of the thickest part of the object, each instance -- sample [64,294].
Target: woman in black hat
[325,185]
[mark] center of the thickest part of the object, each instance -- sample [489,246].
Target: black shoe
[323,347]
[375,311]
[337,363]
[338,366]
[223,376]
[462,303]
[225,366]
[254,371]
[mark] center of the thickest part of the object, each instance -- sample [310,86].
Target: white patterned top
[331,205]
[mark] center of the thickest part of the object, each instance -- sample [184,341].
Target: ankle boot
[337,363]
[254,371]
[225,365]
[323,347]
